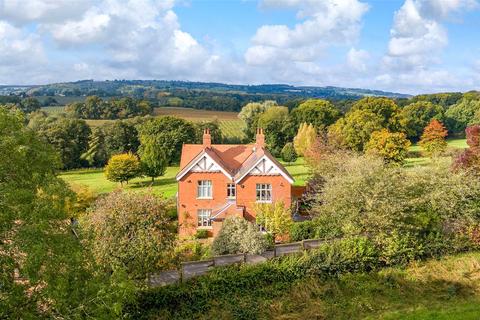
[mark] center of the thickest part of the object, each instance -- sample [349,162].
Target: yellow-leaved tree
[274,217]
[305,138]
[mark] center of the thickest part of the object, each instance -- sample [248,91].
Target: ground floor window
[264,192]
[204,217]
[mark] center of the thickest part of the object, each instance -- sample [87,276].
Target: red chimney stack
[260,138]
[207,138]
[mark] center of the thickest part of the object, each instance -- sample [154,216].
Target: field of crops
[231,126]
[54,110]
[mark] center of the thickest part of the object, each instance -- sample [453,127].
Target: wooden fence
[197,268]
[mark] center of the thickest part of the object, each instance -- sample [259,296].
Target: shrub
[201,234]
[288,153]
[407,213]
[131,231]
[238,236]
[274,217]
[122,167]
[302,230]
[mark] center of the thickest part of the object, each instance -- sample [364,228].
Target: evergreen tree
[288,153]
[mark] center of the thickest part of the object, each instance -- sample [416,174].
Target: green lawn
[166,185]
[417,158]
[96,181]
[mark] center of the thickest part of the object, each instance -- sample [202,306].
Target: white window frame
[231,191]
[263,192]
[203,218]
[204,189]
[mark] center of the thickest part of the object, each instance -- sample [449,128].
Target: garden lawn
[95,180]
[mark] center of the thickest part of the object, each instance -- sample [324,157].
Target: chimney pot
[260,138]
[207,138]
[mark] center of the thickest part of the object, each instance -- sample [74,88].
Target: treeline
[97,108]
[80,145]
[352,126]
[26,105]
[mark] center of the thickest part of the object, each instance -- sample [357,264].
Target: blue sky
[410,46]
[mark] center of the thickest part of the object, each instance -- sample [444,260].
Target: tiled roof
[236,159]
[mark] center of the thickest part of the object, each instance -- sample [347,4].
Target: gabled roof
[254,159]
[207,152]
[235,160]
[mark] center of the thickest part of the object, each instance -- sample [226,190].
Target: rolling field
[166,185]
[230,125]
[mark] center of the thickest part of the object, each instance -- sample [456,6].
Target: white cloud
[358,59]
[20,53]
[19,12]
[326,23]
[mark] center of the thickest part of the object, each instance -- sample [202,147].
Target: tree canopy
[320,113]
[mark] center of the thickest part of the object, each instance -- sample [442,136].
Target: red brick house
[218,180]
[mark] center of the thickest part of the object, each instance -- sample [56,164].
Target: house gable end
[265,167]
[203,163]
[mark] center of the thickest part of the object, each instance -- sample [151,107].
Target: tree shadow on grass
[157,183]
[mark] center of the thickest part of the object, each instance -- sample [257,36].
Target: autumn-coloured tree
[274,217]
[122,167]
[470,158]
[433,138]
[305,138]
[391,146]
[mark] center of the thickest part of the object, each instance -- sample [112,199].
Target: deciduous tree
[250,114]
[391,146]
[170,134]
[122,167]
[433,138]
[304,139]
[354,130]
[416,116]
[320,113]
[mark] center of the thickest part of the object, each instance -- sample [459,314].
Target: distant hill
[200,95]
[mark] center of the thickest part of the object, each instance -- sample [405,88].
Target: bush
[131,231]
[413,214]
[238,236]
[302,230]
[201,234]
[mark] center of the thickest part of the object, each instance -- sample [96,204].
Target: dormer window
[204,189]
[231,192]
